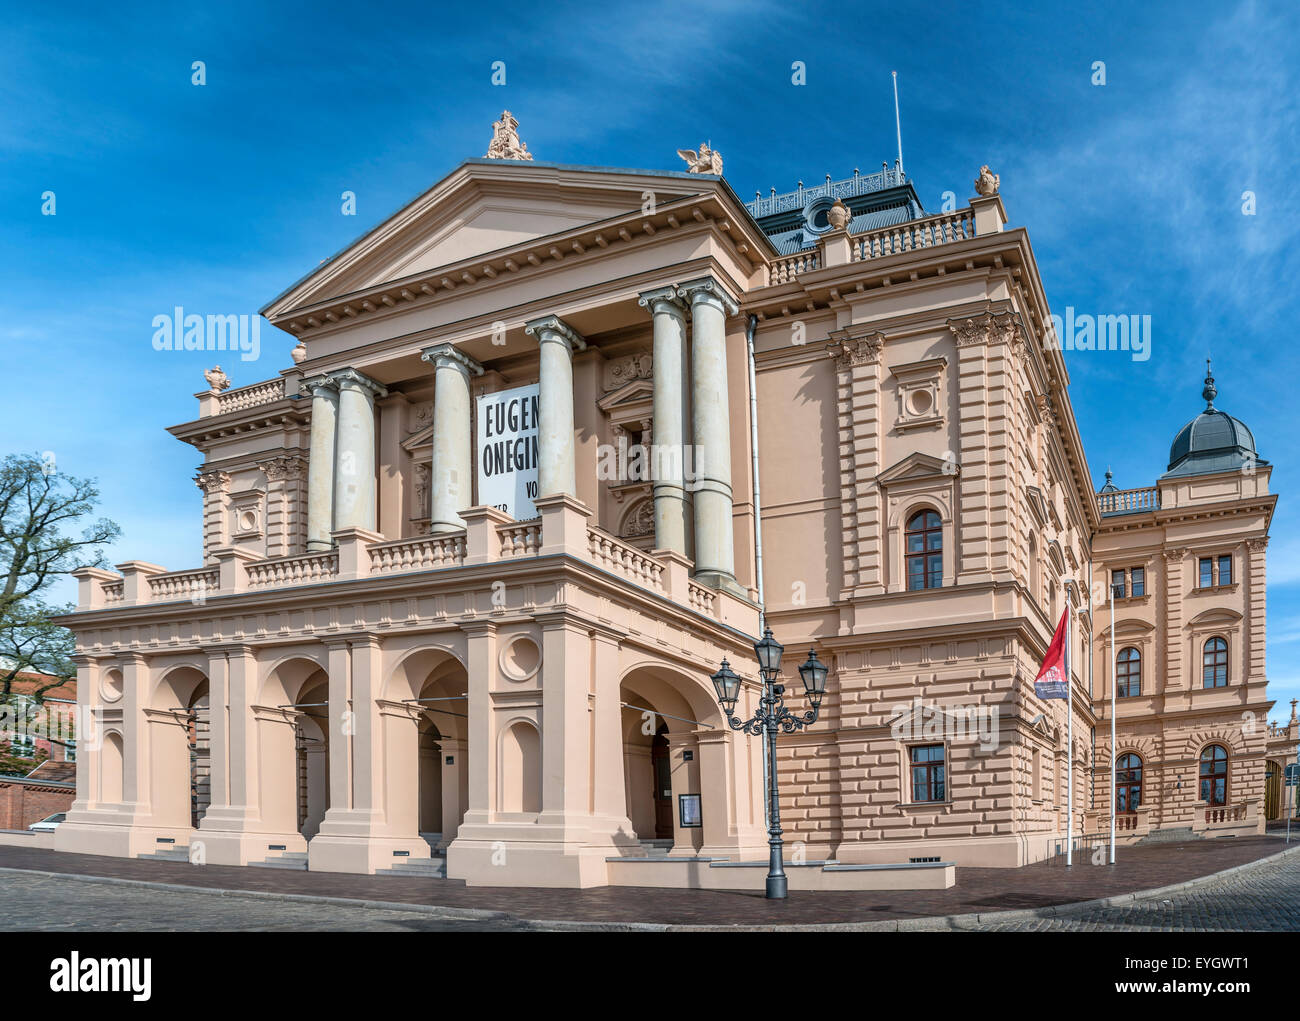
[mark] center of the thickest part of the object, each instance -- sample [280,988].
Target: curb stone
[941,922]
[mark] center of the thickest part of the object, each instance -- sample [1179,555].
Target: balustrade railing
[520,539]
[250,396]
[1127,501]
[418,554]
[184,584]
[298,570]
[929,232]
[619,558]
[782,271]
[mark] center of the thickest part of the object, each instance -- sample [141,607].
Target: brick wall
[23,802]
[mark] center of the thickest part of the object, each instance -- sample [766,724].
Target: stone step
[293,860]
[1170,834]
[170,854]
[431,868]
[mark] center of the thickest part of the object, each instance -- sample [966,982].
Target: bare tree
[40,510]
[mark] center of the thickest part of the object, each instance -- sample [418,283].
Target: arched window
[1214,663]
[924,551]
[1214,775]
[1129,673]
[1128,783]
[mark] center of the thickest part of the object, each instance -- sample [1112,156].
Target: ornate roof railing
[858,184]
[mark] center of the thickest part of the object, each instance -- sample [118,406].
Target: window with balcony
[1214,775]
[1128,670]
[924,539]
[1214,663]
[927,772]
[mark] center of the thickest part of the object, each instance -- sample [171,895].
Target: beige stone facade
[390,669]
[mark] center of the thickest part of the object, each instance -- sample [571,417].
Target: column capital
[707,289]
[351,379]
[554,328]
[323,383]
[446,356]
[662,299]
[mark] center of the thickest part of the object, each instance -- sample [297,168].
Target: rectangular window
[1137,579]
[1225,570]
[23,746]
[1207,572]
[927,772]
[1117,583]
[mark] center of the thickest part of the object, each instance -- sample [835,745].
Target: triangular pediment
[917,466]
[630,394]
[483,206]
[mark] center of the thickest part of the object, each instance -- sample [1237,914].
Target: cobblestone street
[1264,896]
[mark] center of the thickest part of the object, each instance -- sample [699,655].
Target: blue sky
[216,197]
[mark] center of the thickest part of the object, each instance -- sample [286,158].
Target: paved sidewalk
[978,891]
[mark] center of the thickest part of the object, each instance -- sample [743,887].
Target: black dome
[1213,441]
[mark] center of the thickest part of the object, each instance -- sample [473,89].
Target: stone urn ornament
[298,353]
[217,380]
[838,215]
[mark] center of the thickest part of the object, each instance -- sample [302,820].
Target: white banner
[507,451]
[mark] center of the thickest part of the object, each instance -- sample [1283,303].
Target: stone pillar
[714,531]
[216,498]
[555,468]
[453,456]
[354,472]
[320,462]
[668,452]
[283,500]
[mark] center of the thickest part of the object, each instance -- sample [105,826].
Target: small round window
[816,214]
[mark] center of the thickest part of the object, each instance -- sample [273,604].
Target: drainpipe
[750,326]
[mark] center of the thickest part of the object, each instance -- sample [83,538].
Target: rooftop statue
[708,161]
[987,183]
[505,143]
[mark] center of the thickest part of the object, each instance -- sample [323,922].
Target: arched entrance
[293,743]
[430,761]
[676,763]
[179,751]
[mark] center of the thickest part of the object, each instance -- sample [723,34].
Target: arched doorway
[675,762]
[293,730]
[430,761]
[179,751]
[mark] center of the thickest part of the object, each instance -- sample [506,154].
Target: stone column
[668,452]
[555,468]
[714,534]
[453,456]
[216,500]
[354,473]
[320,462]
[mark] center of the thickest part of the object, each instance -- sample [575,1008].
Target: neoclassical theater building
[556,440]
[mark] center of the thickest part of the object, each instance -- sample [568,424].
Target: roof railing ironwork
[858,184]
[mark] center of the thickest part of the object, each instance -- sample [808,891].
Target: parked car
[49,823]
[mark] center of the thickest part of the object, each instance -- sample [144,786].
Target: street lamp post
[772,714]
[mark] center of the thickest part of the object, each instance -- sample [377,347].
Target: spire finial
[1209,393]
[1109,476]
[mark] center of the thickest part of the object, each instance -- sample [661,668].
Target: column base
[722,581]
[319,545]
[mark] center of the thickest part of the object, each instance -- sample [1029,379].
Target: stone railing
[114,591]
[519,539]
[1225,814]
[913,235]
[184,584]
[701,599]
[782,271]
[1128,501]
[250,396]
[298,570]
[619,558]
[419,554]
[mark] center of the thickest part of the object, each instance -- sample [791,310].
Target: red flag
[1050,682]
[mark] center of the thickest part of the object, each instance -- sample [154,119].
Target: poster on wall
[506,452]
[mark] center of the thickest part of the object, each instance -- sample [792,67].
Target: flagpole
[1069,731]
[1114,689]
